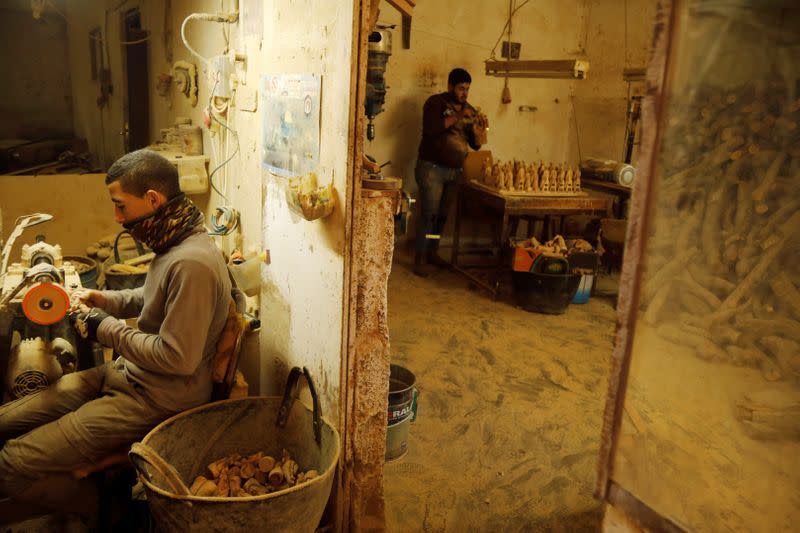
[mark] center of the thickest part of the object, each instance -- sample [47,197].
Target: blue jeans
[436,188]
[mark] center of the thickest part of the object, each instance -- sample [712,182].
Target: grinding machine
[37,343]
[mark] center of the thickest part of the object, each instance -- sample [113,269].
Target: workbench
[510,209]
[621,192]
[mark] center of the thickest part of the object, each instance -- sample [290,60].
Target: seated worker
[162,368]
[450,127]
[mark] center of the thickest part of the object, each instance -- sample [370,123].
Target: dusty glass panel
[711,430]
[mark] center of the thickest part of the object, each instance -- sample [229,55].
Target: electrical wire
[105,27]
[210,17]
[235,136]
[626,63]
[577,131]
[224,220]
[211,177]
[491,54]
[587,26]
[54,8]
[226,35]
[137,41]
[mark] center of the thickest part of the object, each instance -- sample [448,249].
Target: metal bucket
[87,272]
[402,411]
[191,440]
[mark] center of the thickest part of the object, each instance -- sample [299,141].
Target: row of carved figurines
[531,177]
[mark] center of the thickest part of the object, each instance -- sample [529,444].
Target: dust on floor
[509,410]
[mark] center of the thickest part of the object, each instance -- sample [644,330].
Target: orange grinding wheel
[45,304]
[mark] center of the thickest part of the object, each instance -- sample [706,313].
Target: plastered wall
[77,223]
[619,36]
[301,299]
[450,33]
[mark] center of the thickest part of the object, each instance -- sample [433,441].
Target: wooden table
[510,209]
[621,192]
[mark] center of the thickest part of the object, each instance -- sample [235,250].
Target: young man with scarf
[161,368]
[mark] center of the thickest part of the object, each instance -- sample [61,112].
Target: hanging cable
[491,54]
[210,17]
[236,138]
[213,117]
[137,41]
[577,131]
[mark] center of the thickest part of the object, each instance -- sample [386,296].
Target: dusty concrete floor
[510,409]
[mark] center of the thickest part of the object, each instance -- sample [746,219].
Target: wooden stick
[767,182]
[756,275]
[786,293]
[140,259]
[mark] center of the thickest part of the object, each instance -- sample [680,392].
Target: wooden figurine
[560,179]
[495,178]
[569,177]
[545,186]
[519,178]
[528,177]
[576,181]
[486,172]
[535,180]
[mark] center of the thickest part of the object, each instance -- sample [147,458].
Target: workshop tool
[379,48]
[608,170]
[374,179]
[45,304]
[37,343]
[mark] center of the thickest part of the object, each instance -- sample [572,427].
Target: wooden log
[786,293]
[756,275]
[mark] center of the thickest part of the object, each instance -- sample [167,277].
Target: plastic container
[584,289]
[247,274]
[544,293]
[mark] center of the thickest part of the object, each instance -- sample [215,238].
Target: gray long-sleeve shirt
[182,309]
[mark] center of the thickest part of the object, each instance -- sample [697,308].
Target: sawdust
[510,408]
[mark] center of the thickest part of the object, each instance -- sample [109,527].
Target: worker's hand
[81,300]
[452,117]
[481,123]
[479,127]
[86,324]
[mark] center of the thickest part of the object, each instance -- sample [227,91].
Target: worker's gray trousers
[80,419]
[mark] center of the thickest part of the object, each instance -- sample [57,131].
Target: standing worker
[163,367]
[450,127]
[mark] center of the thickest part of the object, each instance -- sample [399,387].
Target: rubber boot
[419,265]
[435,260]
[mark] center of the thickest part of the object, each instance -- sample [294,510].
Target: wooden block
[382,184]
[403,6]
[473,164]
[140,259]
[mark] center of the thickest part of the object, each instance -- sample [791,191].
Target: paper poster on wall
[290,105]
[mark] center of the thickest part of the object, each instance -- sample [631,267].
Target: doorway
[136,129]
